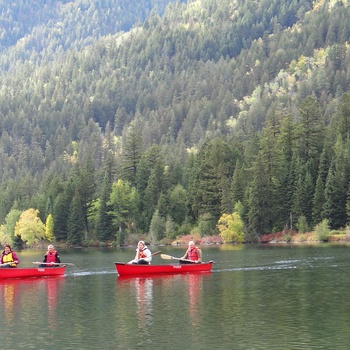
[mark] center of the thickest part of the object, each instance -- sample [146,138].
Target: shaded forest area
[161,122]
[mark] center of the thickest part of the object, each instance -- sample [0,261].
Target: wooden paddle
[169,257]
[156,253]
[64,264]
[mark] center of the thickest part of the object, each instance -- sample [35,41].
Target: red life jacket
[192,254]
[51,257]
[141,254]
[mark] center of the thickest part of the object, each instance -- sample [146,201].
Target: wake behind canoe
[130,269]
[24,272]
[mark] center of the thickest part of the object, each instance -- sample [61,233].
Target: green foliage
[207,224]
[302,225]
[8,228]
[231,228]
[103,225]
[132,151]
[76,223]
[157,227]
[178,204]
[49,228]
[60,215]
[29,227]
[192,117]
[170,227]
[322,230]
[122,205]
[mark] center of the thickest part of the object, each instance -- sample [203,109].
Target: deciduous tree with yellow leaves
[29,227]
[231,228]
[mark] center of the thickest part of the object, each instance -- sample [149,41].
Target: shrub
[322,230]
[302,224]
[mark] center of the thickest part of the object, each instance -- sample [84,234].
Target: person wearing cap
[8,257]
[193,254]
[51,258]
[143,254]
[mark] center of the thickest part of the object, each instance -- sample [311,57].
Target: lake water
[257,297]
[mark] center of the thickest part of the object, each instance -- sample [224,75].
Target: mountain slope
[204,69]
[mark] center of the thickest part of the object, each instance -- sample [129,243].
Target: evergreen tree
[132,152]
[214,169]
[60,216]
[318,202]
[104,230]
[341,119]
[311,134]
[260,206]
[121,205]
[157,227]
[178,204]
[238,183]
[308,188]
[76,223]
[170,230]
[335,197]
[87,188]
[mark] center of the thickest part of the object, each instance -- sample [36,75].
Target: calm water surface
[257,297]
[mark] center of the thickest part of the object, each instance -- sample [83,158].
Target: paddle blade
[166,257]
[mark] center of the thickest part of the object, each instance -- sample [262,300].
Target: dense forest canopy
[159,117]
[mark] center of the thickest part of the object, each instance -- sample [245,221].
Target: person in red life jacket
[9,257]
[51,257]
[193,254]
[143,254]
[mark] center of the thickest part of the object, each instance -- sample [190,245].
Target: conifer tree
[178,204]
[60,216]
[157,227]
[238,183]
[132,152]
[259,203]
[311,134]
[318,202]
[87,188]
[121,205]
[104,230]
[335,197]
[76,223]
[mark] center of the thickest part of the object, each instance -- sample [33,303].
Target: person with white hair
[193,254]
[51,258]
[143,254]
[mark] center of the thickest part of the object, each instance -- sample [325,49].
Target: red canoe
[20,272]
[130,269]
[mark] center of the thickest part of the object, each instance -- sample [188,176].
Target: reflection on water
[191,285]
[257,297]
[29,294]
[144,299]
[8,293]
[194,290]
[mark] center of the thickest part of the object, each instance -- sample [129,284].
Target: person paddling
[143,254]
[9,257]
[51,257]
[193,253]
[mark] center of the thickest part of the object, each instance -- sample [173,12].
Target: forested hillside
[203,108]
